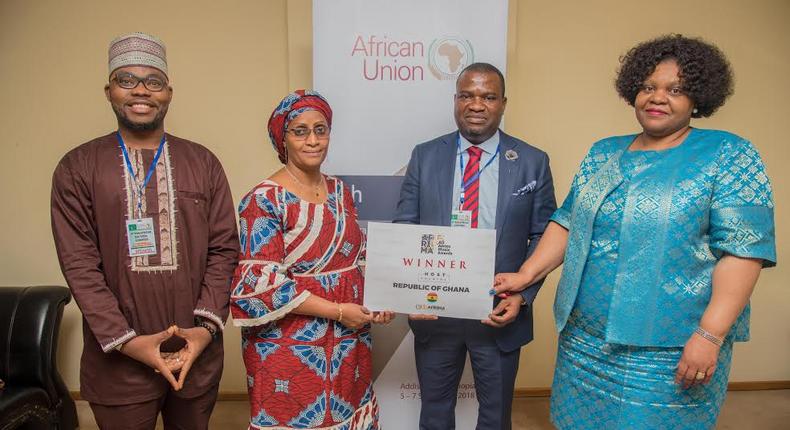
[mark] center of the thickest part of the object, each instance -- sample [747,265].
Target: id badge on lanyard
[460,217]
[141,237]
[140,233]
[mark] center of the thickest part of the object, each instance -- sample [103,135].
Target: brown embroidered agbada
[189,200]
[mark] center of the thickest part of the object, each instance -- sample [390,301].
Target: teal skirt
[606,386]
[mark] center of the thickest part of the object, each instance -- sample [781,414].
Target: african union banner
[388,68]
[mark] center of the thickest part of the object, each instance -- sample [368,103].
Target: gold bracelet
[339,313]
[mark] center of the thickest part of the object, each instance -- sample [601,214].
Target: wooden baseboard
[520,393]
[230,396]
[758,385]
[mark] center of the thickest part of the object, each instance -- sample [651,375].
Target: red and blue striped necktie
[471,182]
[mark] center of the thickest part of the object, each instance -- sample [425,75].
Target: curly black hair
[705,73]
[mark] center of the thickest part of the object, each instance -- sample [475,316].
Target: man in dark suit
[477,177]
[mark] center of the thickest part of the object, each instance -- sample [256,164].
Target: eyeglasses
[129,81]
[302,133]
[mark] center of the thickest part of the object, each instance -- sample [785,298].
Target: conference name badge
[461,218]
[141,237]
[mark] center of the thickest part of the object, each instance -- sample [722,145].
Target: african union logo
[448,56]
[432,297]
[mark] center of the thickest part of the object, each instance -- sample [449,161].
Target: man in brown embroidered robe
[145,231]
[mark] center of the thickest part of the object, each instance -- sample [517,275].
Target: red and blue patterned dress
[303,372]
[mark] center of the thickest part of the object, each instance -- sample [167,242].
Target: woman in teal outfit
[663,236]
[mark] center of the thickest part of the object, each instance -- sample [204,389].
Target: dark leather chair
[34,396]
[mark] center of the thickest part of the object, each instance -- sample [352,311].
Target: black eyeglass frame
[137,80]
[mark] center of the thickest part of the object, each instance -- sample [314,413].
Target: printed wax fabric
[302,371]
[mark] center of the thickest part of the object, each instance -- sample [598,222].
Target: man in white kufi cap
[145,233]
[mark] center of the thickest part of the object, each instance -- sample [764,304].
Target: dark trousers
[440,350]
[177,413]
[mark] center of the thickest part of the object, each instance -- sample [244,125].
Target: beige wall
[232,61]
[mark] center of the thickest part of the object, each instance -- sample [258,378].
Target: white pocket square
[526,189]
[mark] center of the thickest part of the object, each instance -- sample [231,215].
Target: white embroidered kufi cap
[137,49]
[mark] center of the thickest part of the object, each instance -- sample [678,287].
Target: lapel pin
[511,155]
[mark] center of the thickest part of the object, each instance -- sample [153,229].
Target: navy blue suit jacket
[521,214]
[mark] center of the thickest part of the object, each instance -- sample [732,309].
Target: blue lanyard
[479,172]
[141,187]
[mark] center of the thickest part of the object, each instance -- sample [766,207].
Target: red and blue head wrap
[290,107]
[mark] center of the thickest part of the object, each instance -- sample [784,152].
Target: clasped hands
[508,287]
[145,349]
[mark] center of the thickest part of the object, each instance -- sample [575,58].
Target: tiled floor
[743,410]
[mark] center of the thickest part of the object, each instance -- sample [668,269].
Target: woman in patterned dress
[297,292]
[663,236]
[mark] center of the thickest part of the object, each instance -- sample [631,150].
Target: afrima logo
[385,59]
[434,244]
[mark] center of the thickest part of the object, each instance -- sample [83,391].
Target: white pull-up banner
[388,69]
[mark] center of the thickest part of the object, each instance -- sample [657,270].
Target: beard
[154,124]
[473,134]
